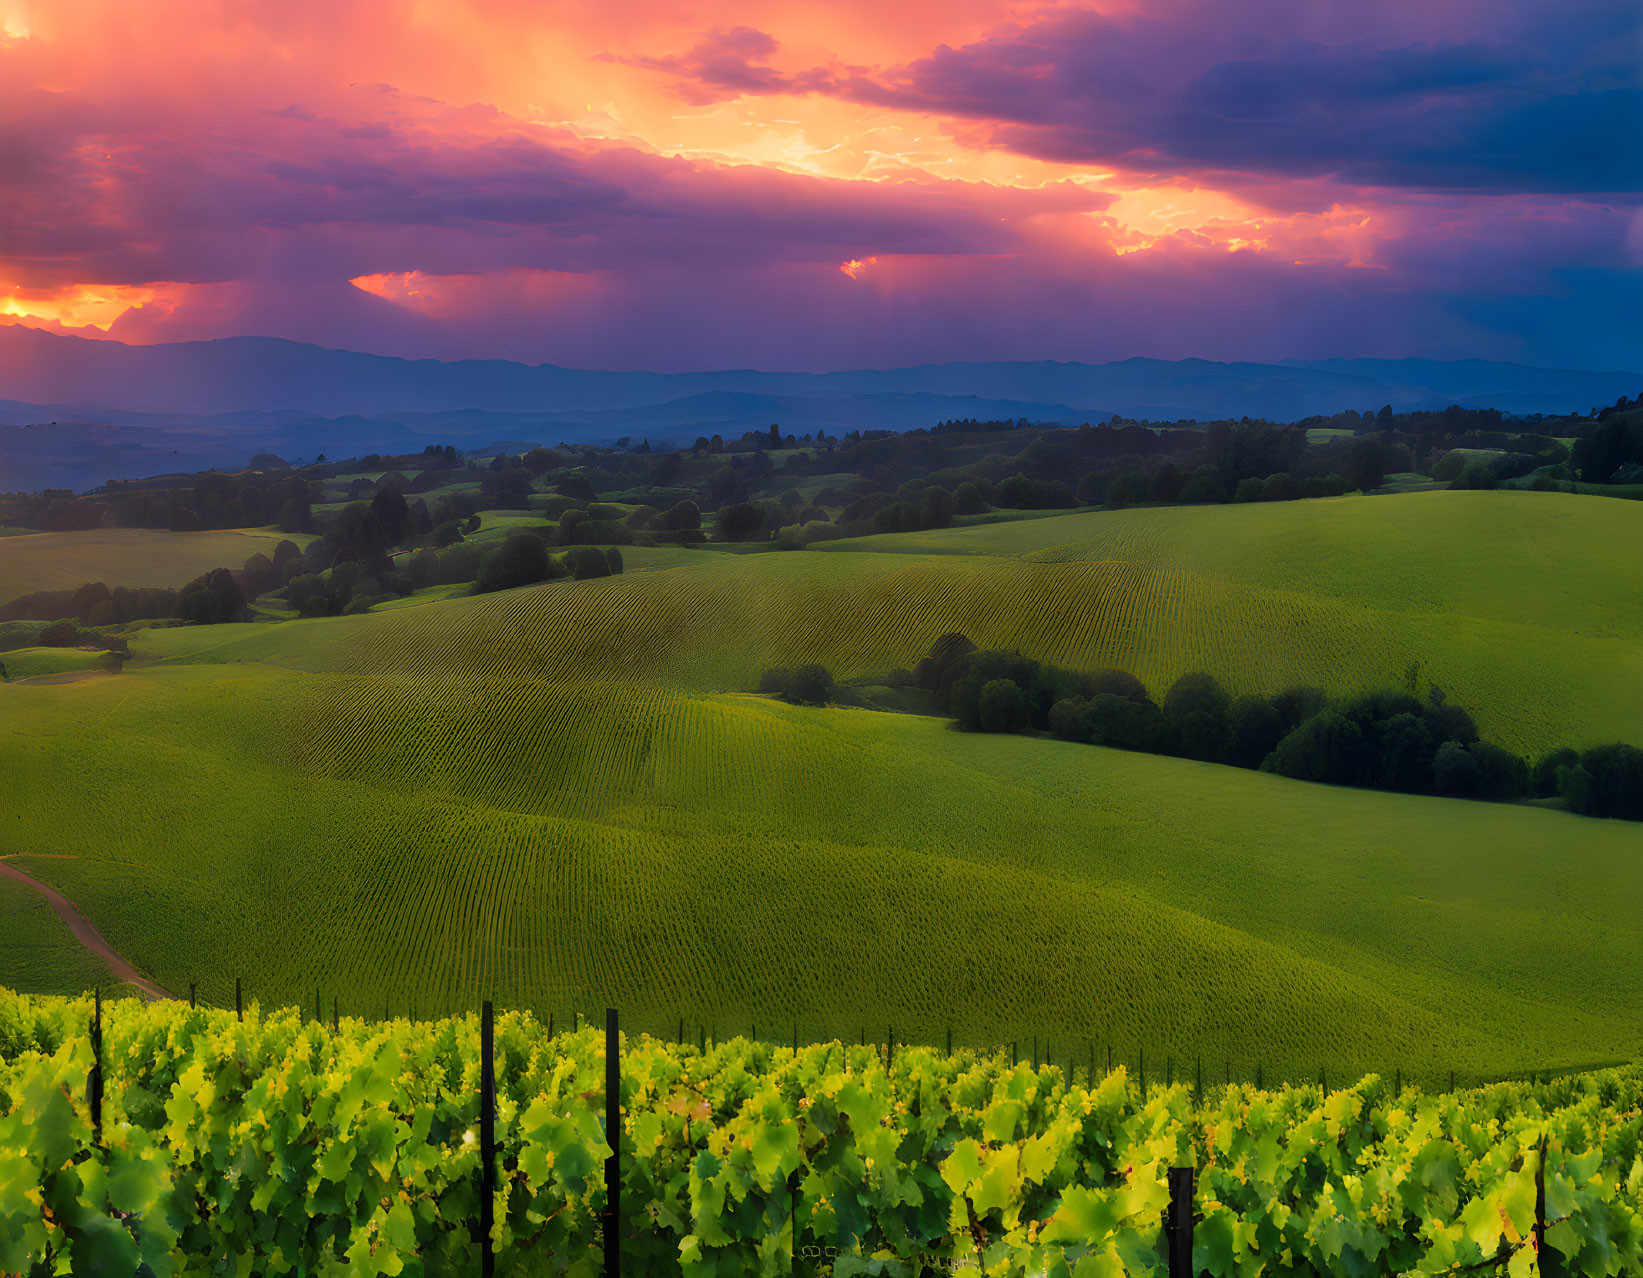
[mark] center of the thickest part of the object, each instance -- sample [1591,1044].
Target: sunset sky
[815,184]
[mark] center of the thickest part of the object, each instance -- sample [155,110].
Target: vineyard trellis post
[613,1137]
[94,1080]
[239,1009]
[1540,1206]
[889,1049]
[336,1022]
[1178,1223]
[487,1136]
[191,1003]
[793,1223]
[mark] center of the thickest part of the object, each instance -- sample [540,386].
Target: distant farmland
[124,557]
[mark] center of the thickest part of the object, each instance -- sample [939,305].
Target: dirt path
[87,935]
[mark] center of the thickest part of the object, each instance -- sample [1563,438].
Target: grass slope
[1522,607]
[37,951]
[557,796]
[125,557]
[27,663]
[1526,608]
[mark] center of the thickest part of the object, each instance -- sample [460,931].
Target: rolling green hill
[561,796]
[1525,608]
[29,663]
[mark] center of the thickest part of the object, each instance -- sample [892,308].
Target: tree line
[1388,739]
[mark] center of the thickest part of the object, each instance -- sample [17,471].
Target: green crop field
[564,797]
[125,557]
[1523,607]
[37,951]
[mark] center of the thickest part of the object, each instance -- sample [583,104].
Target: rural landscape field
[721,640]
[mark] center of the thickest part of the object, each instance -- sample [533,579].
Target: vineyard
[188,1137]
[559,795]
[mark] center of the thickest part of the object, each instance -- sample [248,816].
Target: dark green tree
[1253,731]
[1165,484]
[1366,465]
[1204,487]
[1501,774]
[198,604]
[807,685]
[967,499]
[1617,781]
[1544,777]
[521,560]
[1202,734]
[1196,691]
[1128,724]
[1002,707]
[1326,747]
[587,561]
[391,510]
[1127,490]
[1454,770]
[740,521]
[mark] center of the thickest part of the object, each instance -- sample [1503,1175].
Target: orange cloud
[436,174]
[470,294]
[85,306]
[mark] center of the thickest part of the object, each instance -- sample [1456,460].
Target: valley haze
[77,411]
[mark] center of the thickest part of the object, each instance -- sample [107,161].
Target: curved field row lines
[729,858]
[717,625]
[1262,597]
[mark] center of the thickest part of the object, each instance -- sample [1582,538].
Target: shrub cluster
[802,685]
[523,559]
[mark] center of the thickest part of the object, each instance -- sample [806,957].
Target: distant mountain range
[76,412]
